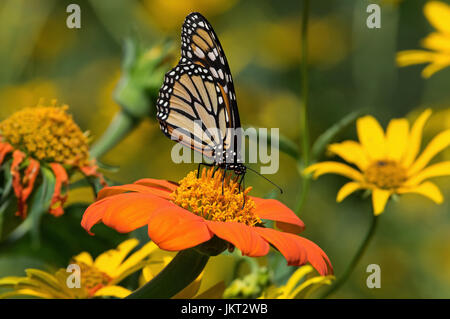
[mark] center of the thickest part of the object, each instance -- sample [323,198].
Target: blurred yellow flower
[276,44]
[43,136]
[99,277]
[14,97]
[388,163]
[438,43]
[299,286]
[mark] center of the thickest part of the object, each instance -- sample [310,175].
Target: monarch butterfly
[197,105]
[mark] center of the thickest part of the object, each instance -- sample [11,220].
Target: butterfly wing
[191,109]
[201,45]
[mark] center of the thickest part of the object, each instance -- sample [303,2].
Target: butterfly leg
[223,178]
[242,181]
[216,168]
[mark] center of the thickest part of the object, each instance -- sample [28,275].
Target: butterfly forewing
[201,45]
[197,104]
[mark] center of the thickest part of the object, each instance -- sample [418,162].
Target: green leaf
[326,137]
[41,200]
[39,204]
[7,176]
[8,219]
[178,274]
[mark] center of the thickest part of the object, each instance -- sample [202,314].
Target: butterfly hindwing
[191,109]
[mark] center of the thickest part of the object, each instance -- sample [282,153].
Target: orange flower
[43,136]
[209,213]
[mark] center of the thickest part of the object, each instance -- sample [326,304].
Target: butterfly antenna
[281,190]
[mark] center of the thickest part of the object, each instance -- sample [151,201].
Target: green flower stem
[355,260]
[178,274]
[304,131]
[118,129]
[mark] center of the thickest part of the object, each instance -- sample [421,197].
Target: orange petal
[272,209]
[5,148]
[297,250]
[114,190]
[157,183]
[94,213]
[242,236]
[123,212]
[91,170]
[62,180]
[18,158]
[31,173]
[174,228]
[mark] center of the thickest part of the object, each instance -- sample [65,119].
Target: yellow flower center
[203,196]
[46,133]
[92,279]
[385,174]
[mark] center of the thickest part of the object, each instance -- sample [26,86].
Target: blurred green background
[351,68]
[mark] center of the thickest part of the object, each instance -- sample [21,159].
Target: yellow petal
[334,168]
[313,284]
[136,258]
[10,281]
[412,57]
[112,291]
[379,200]
[435,170]
[371,137]
[437,144]
[397,134]
[43,277]
[415,138]
[347,189]
[437,41]
[432,68]
[427,189]
[85,258]
[110,260]
[351,152]
[295,278]
[438,13]
[26,292]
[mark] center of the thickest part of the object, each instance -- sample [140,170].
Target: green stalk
[355,259]
[304,130]
[178,274]
[120,126]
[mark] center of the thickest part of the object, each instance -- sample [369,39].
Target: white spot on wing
[198,52]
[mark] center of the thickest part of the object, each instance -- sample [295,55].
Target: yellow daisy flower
[99,277]
[388,163]
[300,285]
[438,43]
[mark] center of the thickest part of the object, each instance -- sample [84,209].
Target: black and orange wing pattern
[197,104]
